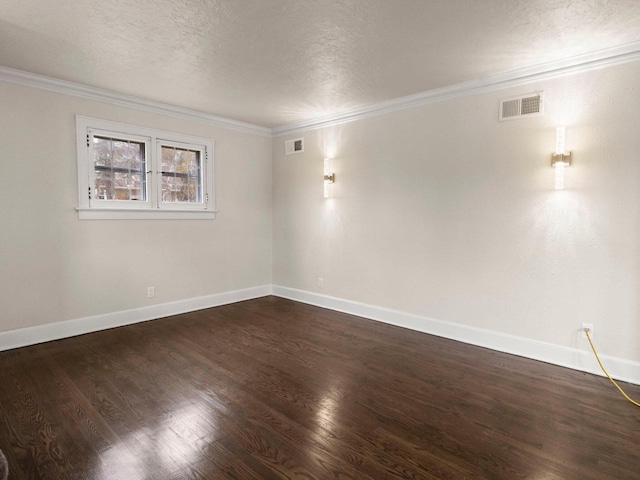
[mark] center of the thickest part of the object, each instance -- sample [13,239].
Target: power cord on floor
[586,331]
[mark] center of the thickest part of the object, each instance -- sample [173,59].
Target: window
[181,174]
[126,171]
[119,168]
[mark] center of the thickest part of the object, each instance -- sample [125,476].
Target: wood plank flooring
[274,389]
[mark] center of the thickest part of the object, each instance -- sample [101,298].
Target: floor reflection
[172,446]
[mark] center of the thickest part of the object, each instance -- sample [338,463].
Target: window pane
[181,175]
[104,185]
[119,167]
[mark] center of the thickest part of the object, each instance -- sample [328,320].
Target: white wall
[54,267]
[440,211]
[444,212]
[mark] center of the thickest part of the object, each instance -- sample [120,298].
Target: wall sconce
[329,177]
[560,159]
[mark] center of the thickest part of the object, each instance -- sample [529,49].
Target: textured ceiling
[278,62]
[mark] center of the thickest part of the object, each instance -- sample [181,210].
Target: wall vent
[529,105]
[294,146]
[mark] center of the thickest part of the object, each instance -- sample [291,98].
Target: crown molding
[19,77]
[546,71]
[578,64]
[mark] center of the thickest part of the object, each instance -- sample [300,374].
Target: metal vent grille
[519,107]
[511,108]
[294,146]
[531,105]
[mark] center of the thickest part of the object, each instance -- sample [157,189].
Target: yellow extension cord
[586,331]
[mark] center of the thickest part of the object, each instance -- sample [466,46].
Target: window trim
[153,207]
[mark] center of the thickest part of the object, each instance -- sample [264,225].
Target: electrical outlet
[587,326]
[320,282]
[151,292]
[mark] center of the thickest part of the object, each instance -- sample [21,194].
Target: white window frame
[187,146]
[93,196]
[90,207]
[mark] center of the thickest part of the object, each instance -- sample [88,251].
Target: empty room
[362,239]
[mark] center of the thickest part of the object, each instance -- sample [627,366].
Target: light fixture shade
[328,177]
[560,132]
[560,159]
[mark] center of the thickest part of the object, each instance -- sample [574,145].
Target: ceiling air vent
[294,146]
[521,107]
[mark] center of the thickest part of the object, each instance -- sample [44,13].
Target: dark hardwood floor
[271,388]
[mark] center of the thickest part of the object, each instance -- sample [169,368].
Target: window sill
[143,214]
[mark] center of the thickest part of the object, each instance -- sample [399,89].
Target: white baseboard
[69,328]
[573,358]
